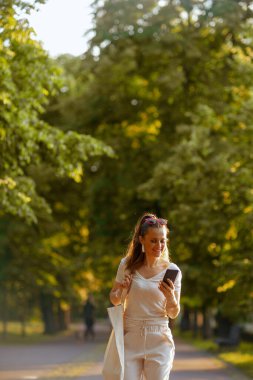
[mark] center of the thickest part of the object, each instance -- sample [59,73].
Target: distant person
[150,302]
[89,317]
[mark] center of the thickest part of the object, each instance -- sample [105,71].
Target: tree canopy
[168,85]
[28,78]
[177,107]
[34,157]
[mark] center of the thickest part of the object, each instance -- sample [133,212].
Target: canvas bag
[113,367]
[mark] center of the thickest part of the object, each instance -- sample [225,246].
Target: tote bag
[113,367]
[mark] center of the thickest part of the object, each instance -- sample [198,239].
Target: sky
[60,26]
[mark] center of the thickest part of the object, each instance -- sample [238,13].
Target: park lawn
[241,356]
[34,333]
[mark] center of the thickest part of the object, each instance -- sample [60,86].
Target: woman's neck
[151,262]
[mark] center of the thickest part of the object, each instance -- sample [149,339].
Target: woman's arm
[173,306]
[172,298]
[116,292]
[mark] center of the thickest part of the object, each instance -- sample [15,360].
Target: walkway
[73,359]
[193,364]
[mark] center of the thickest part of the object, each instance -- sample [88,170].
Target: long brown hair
[134,256]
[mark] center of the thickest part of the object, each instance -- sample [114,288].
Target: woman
[149,346]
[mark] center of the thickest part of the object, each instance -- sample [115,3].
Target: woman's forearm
[115,296]
[173,310]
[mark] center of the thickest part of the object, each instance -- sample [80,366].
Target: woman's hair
[134,256]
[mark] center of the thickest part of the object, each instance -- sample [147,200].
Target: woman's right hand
[127,282]
[118,288]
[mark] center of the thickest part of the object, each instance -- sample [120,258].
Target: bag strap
[124,294]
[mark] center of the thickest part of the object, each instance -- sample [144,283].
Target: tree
[168,86]
[33,155]
[201,183]
[176,107]
[27,78]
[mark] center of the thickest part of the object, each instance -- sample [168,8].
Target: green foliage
[179,97]
[27,79]
[34,158]
[169,86]
[210,210]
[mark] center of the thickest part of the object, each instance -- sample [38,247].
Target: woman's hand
[117,290]
[172,298]
[127,282]
[169,292]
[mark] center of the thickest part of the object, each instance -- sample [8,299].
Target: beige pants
[149,349]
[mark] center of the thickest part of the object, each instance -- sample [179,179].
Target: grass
[198,342]
[34,333]
[241,356]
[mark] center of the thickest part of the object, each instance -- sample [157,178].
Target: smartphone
[171,274]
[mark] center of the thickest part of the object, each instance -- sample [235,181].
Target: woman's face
[154,242]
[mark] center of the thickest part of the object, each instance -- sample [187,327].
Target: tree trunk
[195,323]
[23,326]
[47,312]
[62,318]
[206,326]
[185,323]
[5,313]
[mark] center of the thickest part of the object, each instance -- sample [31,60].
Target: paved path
[73,359]
[193,364]
[68,358]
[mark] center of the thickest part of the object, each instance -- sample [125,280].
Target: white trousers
[149,349]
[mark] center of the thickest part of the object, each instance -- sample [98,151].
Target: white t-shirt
[145,300]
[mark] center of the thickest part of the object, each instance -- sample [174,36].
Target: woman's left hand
[169,292]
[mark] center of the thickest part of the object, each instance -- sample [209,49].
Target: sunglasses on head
[153,221]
